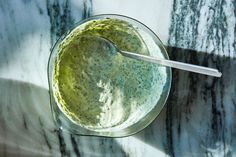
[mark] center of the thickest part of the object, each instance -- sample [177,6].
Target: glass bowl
[155,48]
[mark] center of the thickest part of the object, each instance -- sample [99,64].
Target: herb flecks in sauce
[100,90]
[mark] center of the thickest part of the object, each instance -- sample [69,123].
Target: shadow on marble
[27,128]
[199,116]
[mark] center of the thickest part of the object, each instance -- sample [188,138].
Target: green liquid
[98,90]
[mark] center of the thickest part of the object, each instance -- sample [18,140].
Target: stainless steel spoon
[164,62]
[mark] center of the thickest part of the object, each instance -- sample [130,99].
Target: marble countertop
[199,117]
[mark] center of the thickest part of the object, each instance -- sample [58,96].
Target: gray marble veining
[204,25]
[199,117]
[201,110]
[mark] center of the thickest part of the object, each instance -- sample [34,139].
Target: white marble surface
[199,118]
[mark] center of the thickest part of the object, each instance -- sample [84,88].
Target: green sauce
[99,90]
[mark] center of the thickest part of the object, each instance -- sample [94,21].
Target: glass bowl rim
[158,42]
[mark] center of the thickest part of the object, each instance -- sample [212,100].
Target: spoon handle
[174,64]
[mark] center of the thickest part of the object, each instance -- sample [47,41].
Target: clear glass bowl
[64,123]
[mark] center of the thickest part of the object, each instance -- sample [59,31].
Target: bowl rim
[168,69]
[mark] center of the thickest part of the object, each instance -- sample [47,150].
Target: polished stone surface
[199,117]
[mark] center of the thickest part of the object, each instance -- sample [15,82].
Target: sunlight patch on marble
[136,145]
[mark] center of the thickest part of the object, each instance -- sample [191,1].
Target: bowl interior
[155,47]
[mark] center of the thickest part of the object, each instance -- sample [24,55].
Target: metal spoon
[164,62]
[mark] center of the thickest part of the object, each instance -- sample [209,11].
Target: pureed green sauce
[98,90]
